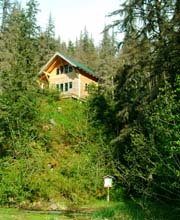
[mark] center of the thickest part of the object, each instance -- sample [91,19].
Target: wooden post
[79,85]
[108,198]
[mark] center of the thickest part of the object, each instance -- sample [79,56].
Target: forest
[129,127]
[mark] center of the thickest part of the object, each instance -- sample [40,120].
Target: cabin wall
[85,81]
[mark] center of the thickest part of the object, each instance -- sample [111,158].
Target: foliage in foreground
[69,166]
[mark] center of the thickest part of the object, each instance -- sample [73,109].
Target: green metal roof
[78,65]
[83,67]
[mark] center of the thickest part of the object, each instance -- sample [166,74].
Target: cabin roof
[71,62]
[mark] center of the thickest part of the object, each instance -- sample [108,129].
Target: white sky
[71,16]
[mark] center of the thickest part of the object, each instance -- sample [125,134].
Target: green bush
[13,184]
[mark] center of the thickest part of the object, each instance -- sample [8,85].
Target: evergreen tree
[5,55]
[154,21]
[48,45]
[71,49]
[18,101]
[5,10]
[86,52]
[108,62]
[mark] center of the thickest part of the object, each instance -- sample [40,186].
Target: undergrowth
[67,169]
[129,210]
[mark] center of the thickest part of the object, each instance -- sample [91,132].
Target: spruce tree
[71,49]
[107,66]
[18,98]
[86,52]
[47,43]
[5,10]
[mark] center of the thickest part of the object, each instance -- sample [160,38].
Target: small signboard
[108,181]
[108,184]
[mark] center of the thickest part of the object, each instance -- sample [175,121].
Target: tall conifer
[18,101]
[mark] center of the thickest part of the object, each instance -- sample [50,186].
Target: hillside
[67,170]
[73,149]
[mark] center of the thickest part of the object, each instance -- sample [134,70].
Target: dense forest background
[132,118]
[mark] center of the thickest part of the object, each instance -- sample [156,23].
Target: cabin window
[70,69]
[62,86]
[64,69]
[66,87]
[70,85]
[57,71]
[67,69]
[86,87]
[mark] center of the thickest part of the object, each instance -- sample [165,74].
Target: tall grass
[129,210]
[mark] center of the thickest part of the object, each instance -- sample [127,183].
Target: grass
[120,211]
[129,210]
[17,214]
[125,210]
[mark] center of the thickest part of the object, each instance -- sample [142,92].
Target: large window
[70,69]
[64,69]
[64,87]
[70,85]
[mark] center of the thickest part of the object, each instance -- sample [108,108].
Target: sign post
[108,184]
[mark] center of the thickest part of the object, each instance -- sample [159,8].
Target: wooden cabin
[70,77]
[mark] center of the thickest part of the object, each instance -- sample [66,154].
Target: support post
[108,197]
[79,85]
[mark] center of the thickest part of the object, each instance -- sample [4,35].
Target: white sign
[107,182]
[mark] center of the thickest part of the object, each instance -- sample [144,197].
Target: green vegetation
[64,169]
[132,211]
[126,210]
[54,153]
[59,176]
[18,215]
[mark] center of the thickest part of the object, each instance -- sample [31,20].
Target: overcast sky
[71,16]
